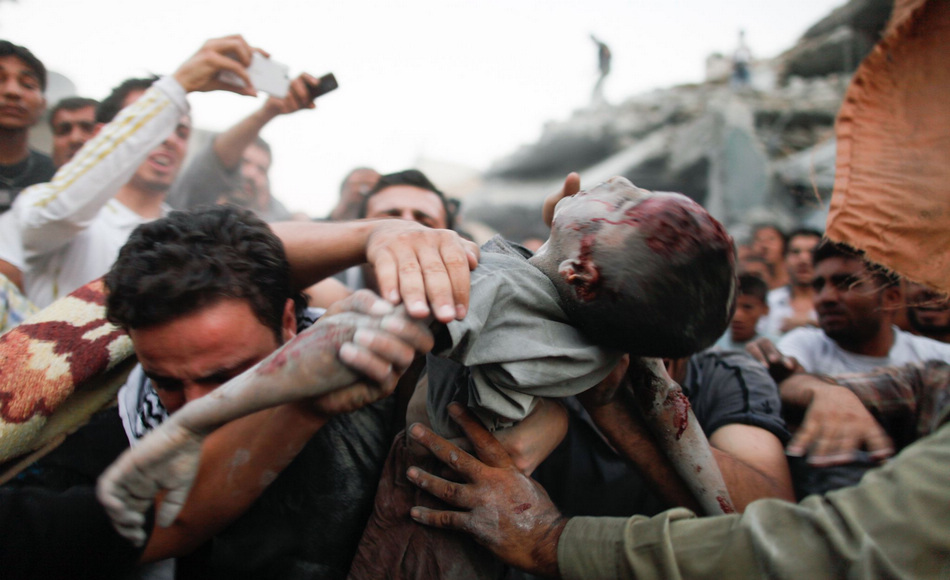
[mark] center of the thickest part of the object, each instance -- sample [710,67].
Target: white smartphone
[267,75]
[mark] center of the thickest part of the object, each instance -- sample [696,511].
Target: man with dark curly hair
[204,297]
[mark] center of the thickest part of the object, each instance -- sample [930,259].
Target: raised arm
[416,265]
[214,173]
[52,214]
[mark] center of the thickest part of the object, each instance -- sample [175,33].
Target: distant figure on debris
[603,63]
[740,63]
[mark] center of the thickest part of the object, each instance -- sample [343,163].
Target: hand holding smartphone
[324,85]
[266,74]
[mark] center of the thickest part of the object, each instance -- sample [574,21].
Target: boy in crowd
[751,305]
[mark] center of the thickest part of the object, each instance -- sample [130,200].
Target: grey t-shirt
[517,344]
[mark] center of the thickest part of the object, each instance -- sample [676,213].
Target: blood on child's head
[648,273]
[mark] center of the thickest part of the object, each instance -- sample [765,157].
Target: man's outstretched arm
[418,266]
[215,172]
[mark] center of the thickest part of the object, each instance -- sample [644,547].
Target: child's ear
[584,277]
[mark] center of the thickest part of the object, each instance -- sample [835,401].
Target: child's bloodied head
[649,273]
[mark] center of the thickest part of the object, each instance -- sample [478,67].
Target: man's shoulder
[803,336]
[912,348]
[733,388]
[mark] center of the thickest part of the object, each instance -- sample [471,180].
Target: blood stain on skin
[680,405]
[673,225]
[522,508]
[276,362]
[586,289]
[724,505]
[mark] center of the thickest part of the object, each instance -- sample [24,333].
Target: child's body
[624,271]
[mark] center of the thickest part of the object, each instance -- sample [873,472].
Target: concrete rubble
[763,152]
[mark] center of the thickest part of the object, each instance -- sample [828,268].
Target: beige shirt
[894,524]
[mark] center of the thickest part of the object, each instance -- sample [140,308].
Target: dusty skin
[341,349]
[668,413]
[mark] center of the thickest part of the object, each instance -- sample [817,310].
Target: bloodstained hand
[505,510]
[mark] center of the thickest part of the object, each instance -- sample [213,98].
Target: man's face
[850,302]
[71,130]
[767,243]
[410,203]
[798,259]
[927,311]
[159,170]
[255,184]
[748,311]
[191,356]
[21,99]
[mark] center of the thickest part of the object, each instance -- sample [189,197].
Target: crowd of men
[830,366]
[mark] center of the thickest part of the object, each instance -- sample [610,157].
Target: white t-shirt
[819,354]
[89,255]
[11,248]
[780,308]
[72,227]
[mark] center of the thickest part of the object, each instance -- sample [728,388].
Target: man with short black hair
[408,195]
[72,228]
[22,82]
[792,305]
[856,302]
[204,296]
[73,122]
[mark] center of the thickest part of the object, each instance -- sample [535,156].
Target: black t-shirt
[585,477]
[306,525]
[52,525]
[36,168]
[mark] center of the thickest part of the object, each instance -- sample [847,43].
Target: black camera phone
[324,85]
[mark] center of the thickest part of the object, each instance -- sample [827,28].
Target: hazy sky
[465,82]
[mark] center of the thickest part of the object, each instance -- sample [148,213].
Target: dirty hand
[505,510]
[378,355]
[165,459]
[836,426]
[422,266]
[200,72]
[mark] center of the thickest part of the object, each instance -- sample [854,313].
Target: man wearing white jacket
[73,226]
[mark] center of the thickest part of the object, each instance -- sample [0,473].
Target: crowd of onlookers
[829,366]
